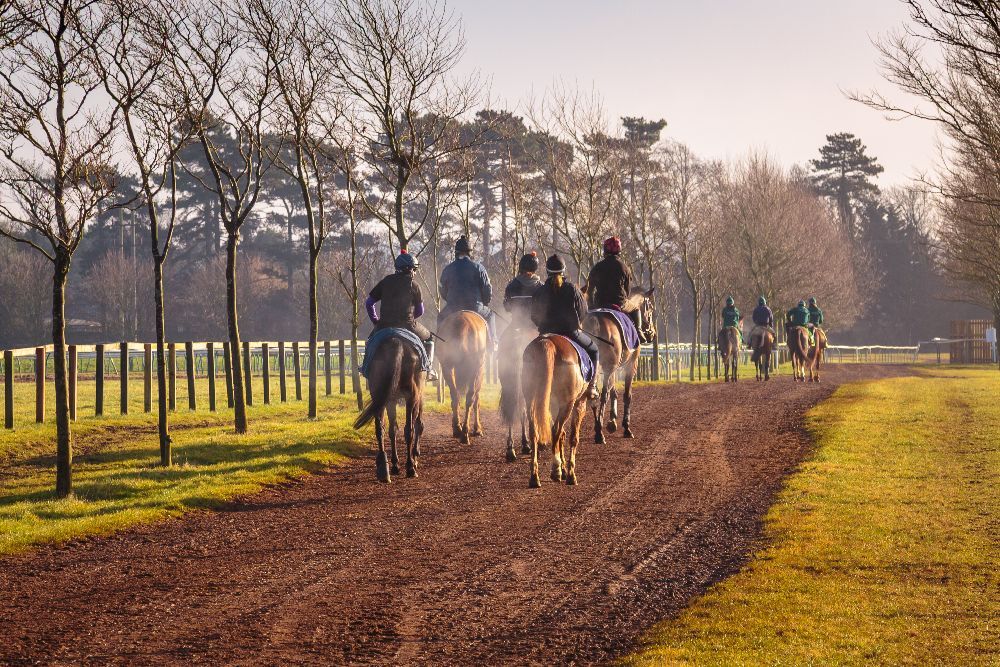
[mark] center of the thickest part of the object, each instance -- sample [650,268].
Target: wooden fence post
[282,385]
[297,365]
[123,376]
[266,372]
[342,357]
[72,381]
[172,376]
[227,363]
[99,380]
[210,369]
[39,384]
[328,369]
[8,389]
[147,377]
[189,363]
[248,373]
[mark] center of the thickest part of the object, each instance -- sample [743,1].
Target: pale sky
[727,75]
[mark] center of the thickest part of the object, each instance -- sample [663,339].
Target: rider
[763,318]
[465,285]
[402,303]
[517,296]
[558,307]
[731,316]
[609,284]
[815,314]
[798,317]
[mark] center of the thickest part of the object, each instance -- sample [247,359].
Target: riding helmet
[802,304]
[762,301]
[730,301]
[528,263]
[812,301]
[613,245]
[405,261]
[555,265]
[462,246]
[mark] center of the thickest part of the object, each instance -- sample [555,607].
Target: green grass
[117,480]
[882,549]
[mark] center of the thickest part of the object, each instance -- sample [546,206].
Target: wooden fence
[969,344]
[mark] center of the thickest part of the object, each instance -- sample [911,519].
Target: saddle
[586,365]
[380,336]
[626,327]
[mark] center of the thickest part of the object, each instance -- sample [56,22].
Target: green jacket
[730,316]
[815,316]
[798,317]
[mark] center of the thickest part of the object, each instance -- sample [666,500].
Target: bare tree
[55,157]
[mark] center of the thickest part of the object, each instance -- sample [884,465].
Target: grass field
[117,480]
[882,549]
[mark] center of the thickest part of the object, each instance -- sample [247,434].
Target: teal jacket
[730,316]
[815,316]
[798,317]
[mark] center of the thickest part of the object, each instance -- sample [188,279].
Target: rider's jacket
[815,316]
[401,300]
[798,317]
[558,310]
[465,285]
[609,282]
[731,316]
[517,296]
[763,317]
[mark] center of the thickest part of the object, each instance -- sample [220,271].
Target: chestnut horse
[463,349]
[552,383]
[816,350]
[798,348]
[394,375]
[762,344]
[729,348]
[613,354]
[512,343]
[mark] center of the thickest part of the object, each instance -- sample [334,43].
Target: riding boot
[636,317]
[592,389]
[429,347]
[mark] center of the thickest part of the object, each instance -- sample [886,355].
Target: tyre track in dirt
[463,564]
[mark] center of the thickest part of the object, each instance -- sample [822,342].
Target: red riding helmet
[613,245]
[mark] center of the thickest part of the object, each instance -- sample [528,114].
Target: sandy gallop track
[464,564]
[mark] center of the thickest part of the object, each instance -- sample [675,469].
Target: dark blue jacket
[465,285]
[762,316]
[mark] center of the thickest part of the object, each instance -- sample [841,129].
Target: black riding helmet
[462,246]
[405,262]
[528,263]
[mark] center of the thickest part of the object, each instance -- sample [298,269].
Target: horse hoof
[627,433]
[395,469]
[463,438]
[411,472]
[382,468]
[557,476]
[534,483]
[456,432]
[599,439]
[612,425]
[478,432]
[525,449]
[571,480]
[511,455]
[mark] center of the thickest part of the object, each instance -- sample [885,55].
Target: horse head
[641,298]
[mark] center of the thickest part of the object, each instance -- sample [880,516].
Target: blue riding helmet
[405,262]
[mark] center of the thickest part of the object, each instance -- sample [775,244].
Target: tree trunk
[398,207]
[313,325]
[696,336]
[64,443]
[239,392]
[161,363]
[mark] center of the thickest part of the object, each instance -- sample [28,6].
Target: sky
[728,76]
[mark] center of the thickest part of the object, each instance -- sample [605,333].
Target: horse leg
[557,445]
[525,445]
[411,435]
[627,403]
[613,417]
[477,429]
[599,407]
[576,421]
[511,454]
[449,376]
[391,410]
[381,462]
[469,405]
[533,431]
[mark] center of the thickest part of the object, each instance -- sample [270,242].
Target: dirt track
[464,564]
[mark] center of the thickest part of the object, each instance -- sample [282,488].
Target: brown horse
[512,343]
[729,348]
[798,348]
[394,375]
[464,344]
[816,351]
[552,382]
[762,344]
[613,355]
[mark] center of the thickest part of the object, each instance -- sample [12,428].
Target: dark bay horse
[816,352]
[729,348]
[512,343]
[614,355]
[552,383]
[394,375]
[762,344]
[463,349]
[798,348]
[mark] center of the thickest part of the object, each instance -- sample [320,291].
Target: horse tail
[538,385]
[382,391]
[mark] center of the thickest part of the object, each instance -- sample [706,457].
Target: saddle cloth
[625,326]
[378,337]
[586,365]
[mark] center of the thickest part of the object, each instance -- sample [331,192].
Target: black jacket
[558,310]
[517,296]
[609,283]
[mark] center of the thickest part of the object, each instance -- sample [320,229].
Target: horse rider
[815,314]
[731,317]
[465,285]
[798,317]
[558,307]
[609,284]
[402,303]
[763,318]
[517,295]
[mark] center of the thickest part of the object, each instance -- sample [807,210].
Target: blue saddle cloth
[586,365]
[377,338]
[625,325]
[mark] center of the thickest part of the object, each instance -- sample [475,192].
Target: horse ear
[650,292]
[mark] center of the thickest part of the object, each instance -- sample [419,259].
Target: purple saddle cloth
[625,325]
[586,365]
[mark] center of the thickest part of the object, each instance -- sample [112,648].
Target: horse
[512,343]
[820,344]
[729,348]
[464,344]
[613,354]
[394,374]
[762,343]
[798,348]
[552,382]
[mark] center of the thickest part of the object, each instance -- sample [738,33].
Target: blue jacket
[763,316]
[465,285]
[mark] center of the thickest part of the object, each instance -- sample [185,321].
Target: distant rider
[610,282]
[731,316]
[763,319]
[798,317]
[465,285]
[558,307]
[815,314]
[517,295]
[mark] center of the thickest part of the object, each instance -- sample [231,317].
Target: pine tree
[843,172]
